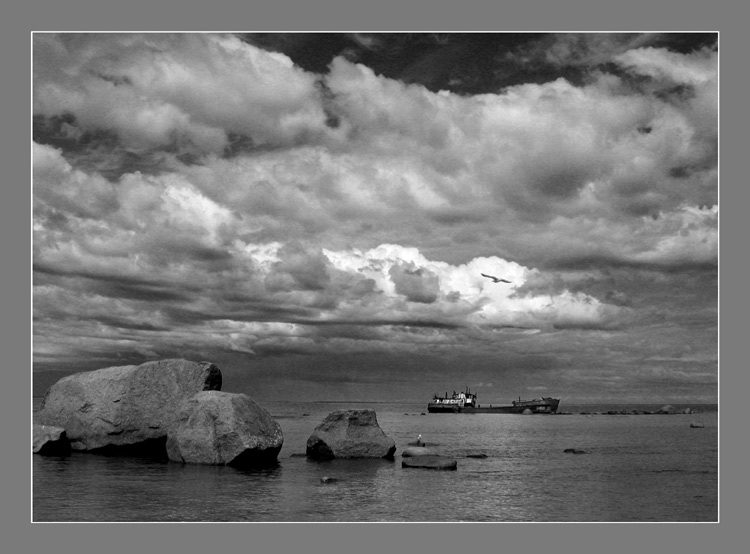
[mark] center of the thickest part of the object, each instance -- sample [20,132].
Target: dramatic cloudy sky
[313,212]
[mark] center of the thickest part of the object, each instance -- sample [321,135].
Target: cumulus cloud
[190,91]
[476,166]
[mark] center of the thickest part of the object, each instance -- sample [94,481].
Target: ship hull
[442,409]
[541,408]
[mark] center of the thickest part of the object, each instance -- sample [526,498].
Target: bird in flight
[495,279]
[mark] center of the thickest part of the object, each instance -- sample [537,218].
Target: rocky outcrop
[430,462]
[125,407]
[223,428]
[350,434]
[50,441]
[666,409]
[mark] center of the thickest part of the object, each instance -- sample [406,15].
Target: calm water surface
[636,468]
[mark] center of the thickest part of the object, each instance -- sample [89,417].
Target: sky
[314,212]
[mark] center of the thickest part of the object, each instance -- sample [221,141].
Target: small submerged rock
[574,451]
[697,424]
[431,461]
[476,455]
[327,479]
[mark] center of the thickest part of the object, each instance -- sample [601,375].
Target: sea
[632,468]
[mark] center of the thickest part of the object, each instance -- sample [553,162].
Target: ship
[466,403]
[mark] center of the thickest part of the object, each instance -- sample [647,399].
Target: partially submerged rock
[50,441]
[350,434]
[430,462]
[574,451]
[697,424]
[412,451]
[223,428]
[125,406]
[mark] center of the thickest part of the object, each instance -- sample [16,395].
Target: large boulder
[50,441]
[125,407]
[350,434]
[224,428]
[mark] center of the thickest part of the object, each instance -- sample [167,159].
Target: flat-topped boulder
[125,406]
[50,441]
[412,451]
[350,434]
[223,428]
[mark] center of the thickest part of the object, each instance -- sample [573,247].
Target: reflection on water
[635,468]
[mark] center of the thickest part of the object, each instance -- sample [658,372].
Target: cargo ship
[466,403]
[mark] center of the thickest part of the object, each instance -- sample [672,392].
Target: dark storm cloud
[130,325]
[102,151]
[299,269]
[473,63]
[417,285]
[116,286]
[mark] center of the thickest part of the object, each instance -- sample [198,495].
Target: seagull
[495,279]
